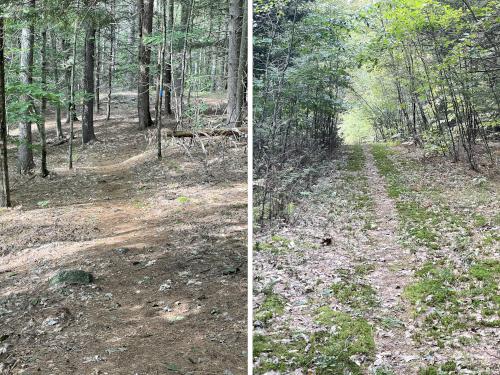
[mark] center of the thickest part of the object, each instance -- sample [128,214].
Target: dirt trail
[392,273]
[165,241]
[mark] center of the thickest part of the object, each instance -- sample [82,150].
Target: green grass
[356,295]
[280,355]
[276,245]
[183,200]
[449,367]
[447,294]
[330,352]
[444,293]
[351,337]
[356,159]
[272,306]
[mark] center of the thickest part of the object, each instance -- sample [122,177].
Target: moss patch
[348,337]
[276,245]
[356,295]
[272,306]
[72,277]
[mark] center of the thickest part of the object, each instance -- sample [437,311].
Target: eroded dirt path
[165,241]
[392,273]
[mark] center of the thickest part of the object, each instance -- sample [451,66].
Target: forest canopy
[419,71]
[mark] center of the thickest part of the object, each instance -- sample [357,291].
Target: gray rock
[121,250]
[72,277]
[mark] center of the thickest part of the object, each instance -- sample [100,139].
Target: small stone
[166,286]
[230,270]
[121,250]
[177,318]
[50,322]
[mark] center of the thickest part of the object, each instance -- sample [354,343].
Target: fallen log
[234,132]
[57,142]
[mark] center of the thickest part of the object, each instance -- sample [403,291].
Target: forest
[376,129]
[123,134]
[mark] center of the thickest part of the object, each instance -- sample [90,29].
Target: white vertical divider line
[250,185]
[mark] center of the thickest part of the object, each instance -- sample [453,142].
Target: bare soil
[165,241]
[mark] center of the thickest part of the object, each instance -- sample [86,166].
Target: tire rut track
[395,349]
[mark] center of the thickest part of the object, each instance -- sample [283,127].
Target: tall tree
[168,70]
[145,9]
[25,161]
[111,64]
[71,113]
[88,134]
[4,167]
[41,121]
[98,71]
[235,29]
[55,65]
[242,66]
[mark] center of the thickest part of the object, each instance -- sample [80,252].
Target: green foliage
[354,294]
[272,306]
[356,159]
[352,336]
[329,352]
[183,200]
[43,204]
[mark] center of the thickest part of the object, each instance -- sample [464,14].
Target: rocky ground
[389,265]
[164,241]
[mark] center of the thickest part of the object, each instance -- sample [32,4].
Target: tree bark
[145,29]
[235,18]
[242,67]
[88,84]
[25,161]
[59,130]
[186,13]
[168,72]
[71,113]
[111,65]
[131,74]
[4,167]
[41,123]
[161,85]
[67,78]
[98,71]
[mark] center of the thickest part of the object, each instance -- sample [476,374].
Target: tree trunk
[88,84]
[160,77]
[67,77]
[242,67]
[59,130]
[111,65]
[25,161]
[168,71]
[4,167]
[41,123]
[71,114]
[145,29]
[98,71]
[186,13]
[235,17]
[131,74]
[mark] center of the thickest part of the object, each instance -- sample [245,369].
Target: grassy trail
[388,266]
